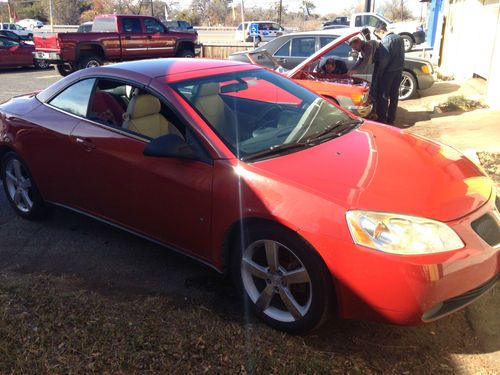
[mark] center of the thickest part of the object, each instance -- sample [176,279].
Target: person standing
[366,54]
[387,73]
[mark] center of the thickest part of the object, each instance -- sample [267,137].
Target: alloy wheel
[406,87]
[19,186]
[276,281]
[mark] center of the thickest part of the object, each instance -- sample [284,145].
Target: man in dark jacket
[387,74]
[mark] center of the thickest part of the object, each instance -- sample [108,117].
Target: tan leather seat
[215,111]
[144,117]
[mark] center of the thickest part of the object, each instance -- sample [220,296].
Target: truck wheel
[408,42]
[65,69]
[42,64]
[90,62]
[185,53]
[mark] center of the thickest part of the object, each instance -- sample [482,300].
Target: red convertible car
[310,208]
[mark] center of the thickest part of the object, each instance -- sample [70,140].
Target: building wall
[470,43]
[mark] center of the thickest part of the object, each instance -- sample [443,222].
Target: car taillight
[58,44]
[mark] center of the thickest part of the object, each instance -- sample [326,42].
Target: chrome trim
[136,49]
[143,236]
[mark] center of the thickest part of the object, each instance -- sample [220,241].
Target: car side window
[303,47]
[131,25]
[153,26]
[12,26]
[129,108]
[284,51]
[323,41]
[75,99]
[342,50]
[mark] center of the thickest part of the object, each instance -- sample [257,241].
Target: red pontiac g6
[311,209]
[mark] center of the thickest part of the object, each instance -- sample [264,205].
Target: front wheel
[408,86]
[282,278]
[20,188]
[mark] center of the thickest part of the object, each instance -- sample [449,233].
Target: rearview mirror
[234,87]
[169,146]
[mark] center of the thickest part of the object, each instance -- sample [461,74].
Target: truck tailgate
[46,42]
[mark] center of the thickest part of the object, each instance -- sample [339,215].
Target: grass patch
[458,103]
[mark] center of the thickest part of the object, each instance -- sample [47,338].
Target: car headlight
[401,234]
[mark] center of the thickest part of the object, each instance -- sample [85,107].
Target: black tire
[185,53]
[38,209]
[42,64]
[30,36]
[90,62]
[65,69]
[408,86]
[408,42]
[317,290]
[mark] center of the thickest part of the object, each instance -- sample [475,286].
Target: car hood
[381,168]
[319,54]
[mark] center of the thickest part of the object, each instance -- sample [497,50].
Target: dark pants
[386,100]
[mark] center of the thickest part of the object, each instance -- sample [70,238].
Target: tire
[185,53]
[65,69]
[408,42]
[408,86]
[30,36]
[90,62]
[21,189]
[270,293]
[42,64]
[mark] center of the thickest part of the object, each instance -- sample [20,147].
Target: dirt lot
[77,296]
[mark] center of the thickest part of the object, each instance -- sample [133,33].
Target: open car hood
[319,54]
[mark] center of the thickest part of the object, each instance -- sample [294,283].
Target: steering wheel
[266,124]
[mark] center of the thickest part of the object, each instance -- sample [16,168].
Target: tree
[307,7]
[397,10]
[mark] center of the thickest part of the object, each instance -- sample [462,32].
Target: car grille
[487,228]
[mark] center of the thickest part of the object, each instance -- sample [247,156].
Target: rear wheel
[408,42]
[185,53]
[65,69]
[42,64]
[20,188]
[90,62]
[282,278]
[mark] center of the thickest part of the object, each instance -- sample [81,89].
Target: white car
[268,30]
[30,23]
[19,30]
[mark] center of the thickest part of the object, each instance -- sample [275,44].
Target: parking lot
[117,303]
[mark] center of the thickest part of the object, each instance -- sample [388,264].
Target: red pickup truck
[113,38]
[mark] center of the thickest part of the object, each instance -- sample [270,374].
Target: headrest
[145,105]
[209,89]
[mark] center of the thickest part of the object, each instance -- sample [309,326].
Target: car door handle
[85,143]
[281,60]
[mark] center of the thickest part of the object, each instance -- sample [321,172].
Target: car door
[4,53]
[13,53]
[160,42]
[133,40]
[295,50]
[166,199]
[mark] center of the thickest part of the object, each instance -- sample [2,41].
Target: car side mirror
[169,146]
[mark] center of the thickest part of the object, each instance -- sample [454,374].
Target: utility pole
[368,5]
[280,11]
[51,15]
[10,11]
[243,18]
[152,12]
[402,9]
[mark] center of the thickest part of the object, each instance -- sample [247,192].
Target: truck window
[131,25]
[107,25]
[153,26]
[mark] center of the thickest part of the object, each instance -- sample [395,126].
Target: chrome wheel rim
[43,64]
[407,44]
[405,87]
[276,281]
[18,185]
[93,64]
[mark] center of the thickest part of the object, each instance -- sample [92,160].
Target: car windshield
[255,111]
[384,18]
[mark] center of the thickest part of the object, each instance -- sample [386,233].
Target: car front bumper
[425,81]
[410,290]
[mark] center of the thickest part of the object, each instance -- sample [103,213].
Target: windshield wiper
[333,131]
[275,150]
